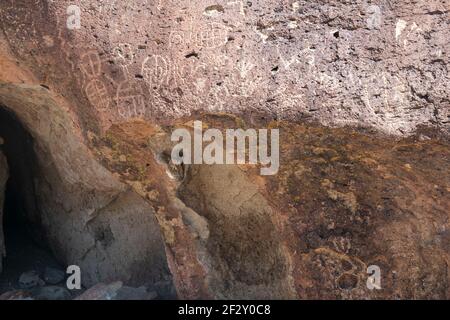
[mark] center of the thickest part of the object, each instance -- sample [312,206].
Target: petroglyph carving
[176,37]
[375,18]
[124,54]
[155,70]
[130,100]
[91,64]
[240,4]
[244,67]
[263,36]
[97,94]
[306,55]
[405,32]
[74,17]
[95,89]
[399,27]
[414,29]
[211,36]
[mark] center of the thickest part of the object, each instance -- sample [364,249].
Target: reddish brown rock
[342,201]
[360,93]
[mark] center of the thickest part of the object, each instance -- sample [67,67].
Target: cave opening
[26,249]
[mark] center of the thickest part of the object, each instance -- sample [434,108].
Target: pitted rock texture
[342,201]
[359,91]
[379,64]
[245,244]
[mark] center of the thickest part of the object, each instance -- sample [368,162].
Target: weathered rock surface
[87,214]
[373,64]
[359,91]
[245,247]
[343,200]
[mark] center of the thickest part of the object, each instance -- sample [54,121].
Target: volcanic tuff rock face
[100,103]
[342,201]
[381,64]
[68,194]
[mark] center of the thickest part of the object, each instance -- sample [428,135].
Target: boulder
[53,276]
[101,291]
[30,279]
[52,293]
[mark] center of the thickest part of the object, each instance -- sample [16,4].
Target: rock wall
[246,257]
[88,216]
[379,64]
[359,91]
[342,201]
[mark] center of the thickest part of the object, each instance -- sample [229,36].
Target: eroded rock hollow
[91,93]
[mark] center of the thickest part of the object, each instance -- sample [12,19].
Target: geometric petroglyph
[74,17]
[130,100]
[240,4]
[155,69]
[375,17]
[212,35]
[96,91]
[176,38]
[123,54]
[98,94]
[91,64]
[405,31]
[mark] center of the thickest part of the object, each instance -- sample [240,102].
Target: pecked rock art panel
[384,67]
